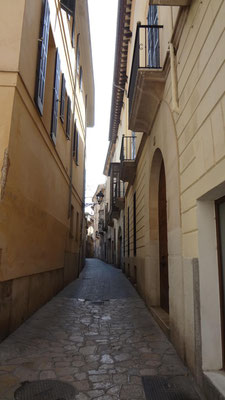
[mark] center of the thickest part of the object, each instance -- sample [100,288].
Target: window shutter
[63,97]
[42,57]
[78,55]
[55,97]
[81,79]
[74,139]
[73,27]
[77,148]
[68,6]
[68,118]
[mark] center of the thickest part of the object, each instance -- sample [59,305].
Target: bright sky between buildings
[103,14]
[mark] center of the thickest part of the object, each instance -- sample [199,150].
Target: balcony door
[163,245]
[153,38]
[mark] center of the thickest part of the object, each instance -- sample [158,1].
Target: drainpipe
[72,139]
[175,103]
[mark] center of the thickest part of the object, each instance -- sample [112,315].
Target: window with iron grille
[153,38]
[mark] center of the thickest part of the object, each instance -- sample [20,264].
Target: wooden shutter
[74,139]
[68,6]
[81,79]
[77,148]
[73,26]
[63,97]
[78,55]
[42,57]
[68,118]
[55,97]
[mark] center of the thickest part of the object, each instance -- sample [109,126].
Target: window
[68,118]
[134,222]
[55,97]
[74,139]
[81,79]
[133,146]
[68,6]
[42,57]
[63,97]
[153,38]
[78,55]
[75,144]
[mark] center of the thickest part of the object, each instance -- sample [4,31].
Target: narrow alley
[98,336]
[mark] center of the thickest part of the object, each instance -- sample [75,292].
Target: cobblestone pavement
[102,345]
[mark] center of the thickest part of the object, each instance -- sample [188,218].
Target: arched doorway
[163,241]
[158,285]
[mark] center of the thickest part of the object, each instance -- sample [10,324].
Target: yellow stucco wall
[39,244]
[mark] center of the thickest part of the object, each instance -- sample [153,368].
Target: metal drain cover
[169,388]
[45,390]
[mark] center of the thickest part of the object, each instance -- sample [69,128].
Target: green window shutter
[68,118]
[55,97]
[63,98]
[42,57]
[68,6]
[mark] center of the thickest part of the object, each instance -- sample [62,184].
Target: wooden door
[220,222]
[163,245]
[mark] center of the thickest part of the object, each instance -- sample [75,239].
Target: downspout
[72,137]
[175,102]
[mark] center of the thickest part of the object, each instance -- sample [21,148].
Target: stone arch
[164,148]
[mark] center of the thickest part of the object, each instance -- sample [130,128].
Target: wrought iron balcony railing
[128,157]
[128,148]
[146,53]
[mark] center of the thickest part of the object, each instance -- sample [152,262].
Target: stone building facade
[166,171]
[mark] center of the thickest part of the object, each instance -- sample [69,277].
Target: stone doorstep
[162,318]
[214,385]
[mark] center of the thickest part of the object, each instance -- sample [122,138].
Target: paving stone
[47,374]
[95,393]
[103,350]
[87,350]
[106,359]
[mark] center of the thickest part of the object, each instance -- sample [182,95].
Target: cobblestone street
[97,334]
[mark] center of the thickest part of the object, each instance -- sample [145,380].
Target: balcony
[128,159]
[117,191]
[147,79]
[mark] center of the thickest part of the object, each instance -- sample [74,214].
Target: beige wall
[191,143]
